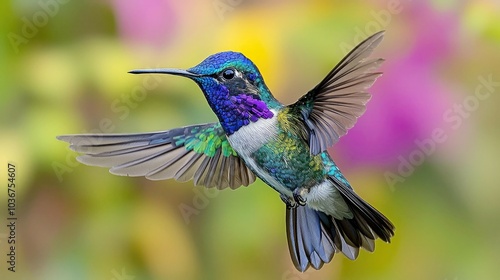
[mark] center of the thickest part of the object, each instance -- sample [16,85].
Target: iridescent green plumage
[206,140]
[287,157]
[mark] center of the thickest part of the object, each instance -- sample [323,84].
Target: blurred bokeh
[425,153]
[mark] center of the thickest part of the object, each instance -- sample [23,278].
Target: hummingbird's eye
[228,74]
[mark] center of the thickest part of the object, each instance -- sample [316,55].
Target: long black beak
[171,71]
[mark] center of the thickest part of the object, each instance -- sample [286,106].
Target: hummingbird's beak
[171,71]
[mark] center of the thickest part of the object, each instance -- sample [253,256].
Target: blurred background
[425,153]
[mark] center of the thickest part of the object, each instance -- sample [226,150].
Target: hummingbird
[257,136]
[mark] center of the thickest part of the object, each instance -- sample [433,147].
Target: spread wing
[199,152]
[333,106]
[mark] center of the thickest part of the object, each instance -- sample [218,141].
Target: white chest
[249,139]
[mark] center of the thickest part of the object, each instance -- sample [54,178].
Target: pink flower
[409,99]
[150,22]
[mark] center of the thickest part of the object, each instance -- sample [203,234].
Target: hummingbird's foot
[298,196]
[288,201]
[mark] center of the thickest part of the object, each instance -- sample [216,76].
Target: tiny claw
[288,201]
[298,196]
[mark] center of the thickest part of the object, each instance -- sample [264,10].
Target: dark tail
[314,237]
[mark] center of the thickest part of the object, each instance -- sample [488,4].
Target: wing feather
[331,108]
[199,152]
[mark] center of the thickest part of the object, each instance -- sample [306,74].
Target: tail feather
[314,237]
[365,214]
[308,240]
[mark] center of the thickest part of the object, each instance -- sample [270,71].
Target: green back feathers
[206,140]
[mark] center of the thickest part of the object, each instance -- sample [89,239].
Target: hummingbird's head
[233,87]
